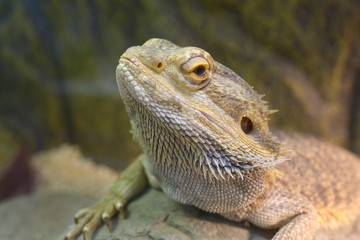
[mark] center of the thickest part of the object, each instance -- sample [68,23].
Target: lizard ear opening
[246,125]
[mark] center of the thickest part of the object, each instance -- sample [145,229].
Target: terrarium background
[58,60]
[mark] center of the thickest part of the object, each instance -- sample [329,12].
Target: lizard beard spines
[201,154]
[218,164]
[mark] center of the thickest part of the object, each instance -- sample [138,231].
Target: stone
[39,216]
[58,60]
[152,215]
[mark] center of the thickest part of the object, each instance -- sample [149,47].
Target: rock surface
[66,169]
[151,216]
[57,64]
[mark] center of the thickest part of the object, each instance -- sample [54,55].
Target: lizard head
[185,98]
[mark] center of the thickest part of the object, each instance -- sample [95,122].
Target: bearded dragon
[206,141]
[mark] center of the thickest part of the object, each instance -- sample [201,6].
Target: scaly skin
[206,142]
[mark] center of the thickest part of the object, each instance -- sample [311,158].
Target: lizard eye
[200,70]
[246,125]
[197,71]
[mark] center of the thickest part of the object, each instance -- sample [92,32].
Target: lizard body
[206,142]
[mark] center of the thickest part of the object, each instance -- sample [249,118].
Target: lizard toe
[91,225]
[80,214]
[80,224]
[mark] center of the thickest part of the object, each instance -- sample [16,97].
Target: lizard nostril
[159,65]
[246,125]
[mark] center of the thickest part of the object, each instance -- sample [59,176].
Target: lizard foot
[87,219]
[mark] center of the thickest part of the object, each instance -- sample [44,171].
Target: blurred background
[58,60]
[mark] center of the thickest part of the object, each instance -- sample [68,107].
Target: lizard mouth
[210,119]
[129,60]
[136,68]
[134,77]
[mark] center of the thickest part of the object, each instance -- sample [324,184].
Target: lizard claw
[120,209]
[88,219]
[105,218]
[85,233]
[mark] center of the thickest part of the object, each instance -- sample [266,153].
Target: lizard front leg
[295,215]
[130,182]
[292,213]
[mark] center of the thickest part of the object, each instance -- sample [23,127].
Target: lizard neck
[174,160]
[187,186]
